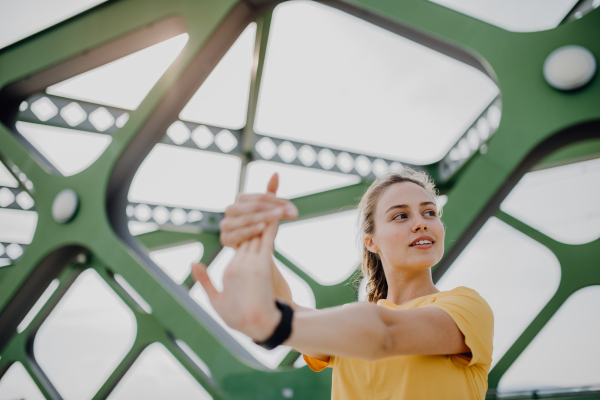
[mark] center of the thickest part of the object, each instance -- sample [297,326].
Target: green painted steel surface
[536,121]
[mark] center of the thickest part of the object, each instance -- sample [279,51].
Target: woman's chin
[423,262]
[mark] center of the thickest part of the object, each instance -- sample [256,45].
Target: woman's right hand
[251,214]
[247,301]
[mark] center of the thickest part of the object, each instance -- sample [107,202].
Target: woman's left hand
[247,302]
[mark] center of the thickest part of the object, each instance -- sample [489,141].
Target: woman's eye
[400,216]
[430,213]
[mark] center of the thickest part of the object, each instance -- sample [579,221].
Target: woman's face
[408,231]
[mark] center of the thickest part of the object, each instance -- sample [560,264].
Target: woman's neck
[404,286]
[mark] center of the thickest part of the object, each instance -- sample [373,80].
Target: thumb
[273,184]
[200,275]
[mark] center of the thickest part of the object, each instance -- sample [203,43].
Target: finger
[268,237]
[241,235]
[200,274]
[255,203]
[246,209]
[254,244]
[242,221]
[273,183]
[250,197]
[244,246]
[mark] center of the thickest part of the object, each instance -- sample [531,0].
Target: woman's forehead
[404,193]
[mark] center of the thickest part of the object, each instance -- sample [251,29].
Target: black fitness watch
[283,330]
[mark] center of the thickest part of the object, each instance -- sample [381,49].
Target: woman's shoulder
[459,291]
[467,297]
[475,319]
[462,294]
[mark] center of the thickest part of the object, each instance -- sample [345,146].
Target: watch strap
[283,330]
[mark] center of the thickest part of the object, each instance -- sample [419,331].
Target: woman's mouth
[422,243]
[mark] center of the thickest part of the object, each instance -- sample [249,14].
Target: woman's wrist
[262,326]
[282,331]
[270,325]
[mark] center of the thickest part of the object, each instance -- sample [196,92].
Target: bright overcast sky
[346,84]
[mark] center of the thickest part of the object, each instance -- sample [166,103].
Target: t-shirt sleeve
[475,319]
[318,365]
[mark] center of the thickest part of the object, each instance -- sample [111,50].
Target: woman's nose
[420,224]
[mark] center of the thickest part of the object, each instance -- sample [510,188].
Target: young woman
[409,341]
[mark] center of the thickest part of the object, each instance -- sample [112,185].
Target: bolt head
[65,206]
[569,67]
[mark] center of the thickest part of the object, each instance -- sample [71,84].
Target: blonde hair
[371,267]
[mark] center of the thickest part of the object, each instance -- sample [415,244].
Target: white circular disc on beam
[569,67]
[65,206]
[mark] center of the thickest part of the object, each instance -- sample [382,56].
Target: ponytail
[377,287]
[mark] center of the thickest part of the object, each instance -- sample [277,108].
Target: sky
[334,84]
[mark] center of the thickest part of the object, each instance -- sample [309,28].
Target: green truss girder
[325,296]
[579,268]
[536,120]
[581,151]
[165,239]
[162,239]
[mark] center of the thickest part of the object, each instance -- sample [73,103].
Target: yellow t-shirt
[456,377]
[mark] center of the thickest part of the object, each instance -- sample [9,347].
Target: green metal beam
[534,115]
[579,268]
[18,349]
[577,152]
[263,27]
[162,239]
[331,201]
[325,296]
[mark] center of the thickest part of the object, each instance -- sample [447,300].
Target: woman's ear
[370,245]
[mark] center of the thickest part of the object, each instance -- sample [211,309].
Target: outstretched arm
[370,332]
[366,331]
[359,330]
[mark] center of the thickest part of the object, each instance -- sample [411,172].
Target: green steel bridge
[540,128]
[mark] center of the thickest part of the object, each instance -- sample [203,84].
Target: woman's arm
[370,332]
[367,331]
[358,330]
